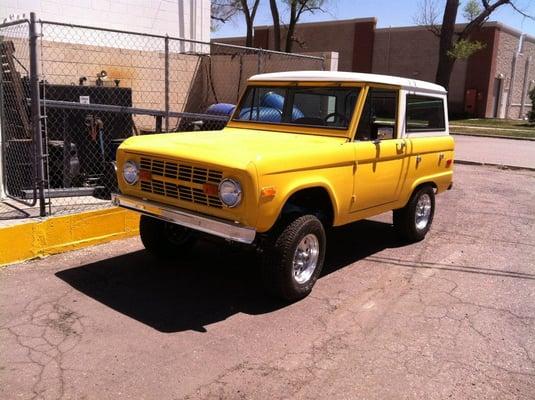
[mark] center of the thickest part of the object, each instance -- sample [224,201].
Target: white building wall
[149,16]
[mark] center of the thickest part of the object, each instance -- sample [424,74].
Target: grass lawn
[493,127]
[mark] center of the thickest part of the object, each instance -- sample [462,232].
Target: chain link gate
[21,135]
[97,87]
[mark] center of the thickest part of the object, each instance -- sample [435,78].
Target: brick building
[494,82]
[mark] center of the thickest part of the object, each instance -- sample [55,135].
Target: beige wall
[229,74]
[413,53]
[508,45]
[141,70]
[196,81]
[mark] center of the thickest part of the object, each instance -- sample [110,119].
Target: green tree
[471,10]
[454,44]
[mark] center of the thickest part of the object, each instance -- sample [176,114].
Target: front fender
[286,186]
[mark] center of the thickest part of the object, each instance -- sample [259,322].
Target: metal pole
[36,117]
[2,150]
[167,84]
[511,86]
[525,87]
[388,50]
[181,23]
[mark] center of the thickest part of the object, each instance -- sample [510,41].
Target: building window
[425,113]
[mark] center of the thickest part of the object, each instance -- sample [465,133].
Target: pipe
[524,87]
[36,116]
[511,86]
[192,16]
[181,22]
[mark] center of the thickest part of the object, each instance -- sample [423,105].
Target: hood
[233,147]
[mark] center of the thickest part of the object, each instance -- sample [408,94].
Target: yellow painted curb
[65,233]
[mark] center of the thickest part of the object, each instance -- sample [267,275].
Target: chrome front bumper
[189,219]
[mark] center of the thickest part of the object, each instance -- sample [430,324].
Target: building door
[496,97]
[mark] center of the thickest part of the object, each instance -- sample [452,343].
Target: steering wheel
[337,116]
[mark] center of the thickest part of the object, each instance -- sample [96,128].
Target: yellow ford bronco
[302,152]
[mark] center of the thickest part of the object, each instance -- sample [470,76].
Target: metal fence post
[36,117]
[166,83]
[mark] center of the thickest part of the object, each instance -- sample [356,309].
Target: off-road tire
[278,257]
[157,239]
[405,218]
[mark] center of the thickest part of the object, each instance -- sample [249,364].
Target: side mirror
[383,132]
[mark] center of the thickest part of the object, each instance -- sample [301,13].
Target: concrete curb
[500,166]
[54,235]
[493,136]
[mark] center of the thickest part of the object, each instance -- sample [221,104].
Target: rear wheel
[413,221]
[294,258]
[163,238]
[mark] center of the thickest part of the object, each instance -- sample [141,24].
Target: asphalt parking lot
[452,317]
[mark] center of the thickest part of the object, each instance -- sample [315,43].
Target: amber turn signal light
[210,189]
[145,175]
[268,191]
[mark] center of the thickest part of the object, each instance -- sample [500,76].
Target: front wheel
[164,239]
[294,258]
[413,221]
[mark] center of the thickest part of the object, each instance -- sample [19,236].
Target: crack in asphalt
[47,332]
[450,317]
[322,358]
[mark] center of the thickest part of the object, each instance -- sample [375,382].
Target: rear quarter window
[424,114]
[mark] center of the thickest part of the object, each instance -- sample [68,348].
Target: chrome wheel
[306,258]
[423,211]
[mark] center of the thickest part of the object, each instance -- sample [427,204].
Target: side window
[379,116]
[424,113]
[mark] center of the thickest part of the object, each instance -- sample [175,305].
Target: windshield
[328,107]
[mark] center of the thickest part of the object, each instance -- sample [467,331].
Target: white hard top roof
[336,76]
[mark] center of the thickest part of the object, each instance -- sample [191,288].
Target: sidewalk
[487,150]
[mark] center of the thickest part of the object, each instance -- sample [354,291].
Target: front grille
[185,178]
[182,172]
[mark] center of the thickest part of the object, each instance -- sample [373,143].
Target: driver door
[381,160]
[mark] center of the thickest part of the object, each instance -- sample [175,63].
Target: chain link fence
[96,88]
[18,161]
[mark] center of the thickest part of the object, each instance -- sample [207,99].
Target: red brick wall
[353,40]
[363,43]
[480,72]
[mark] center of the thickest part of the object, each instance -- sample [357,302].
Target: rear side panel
[430,160]
[430,152]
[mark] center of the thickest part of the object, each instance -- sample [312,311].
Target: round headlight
[130,172]
[230,192]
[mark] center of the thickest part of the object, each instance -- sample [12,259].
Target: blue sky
[387,12]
